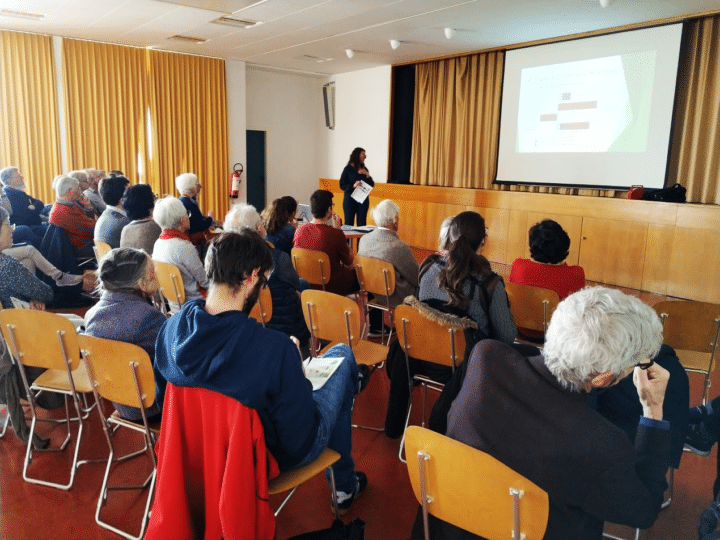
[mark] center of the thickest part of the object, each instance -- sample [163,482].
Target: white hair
[64,183]
[6,174]
[444,230]
[168,212]
[80,175]
[386,213]
[185,182]
[242,216]
[598,330]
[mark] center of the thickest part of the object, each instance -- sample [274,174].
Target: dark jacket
[284,283]
[21,214]
[283,239]
[198,222]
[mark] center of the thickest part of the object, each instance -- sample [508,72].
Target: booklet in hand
[319,370]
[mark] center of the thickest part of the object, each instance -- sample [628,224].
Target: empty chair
[376,277]
[122,373]
[313,266]
[101,249]
[532,308]
[262,310]
[443,472]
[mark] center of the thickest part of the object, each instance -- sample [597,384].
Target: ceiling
[312,35]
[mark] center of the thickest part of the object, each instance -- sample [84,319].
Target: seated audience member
[110,224]
[126,277]
[142,231]
[459,281]
[4,201]
[174,246]
[189,187]
[15,279]
[212,344]
[83,183]
[280,223]
[319,236]
[284,283]
[68,216]
[549,247]
[23,209]
[33,260]
[532,415]
[384,243]
[92,192]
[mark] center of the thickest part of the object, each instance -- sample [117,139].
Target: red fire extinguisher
[235,180]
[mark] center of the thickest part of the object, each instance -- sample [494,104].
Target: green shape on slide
[639,69]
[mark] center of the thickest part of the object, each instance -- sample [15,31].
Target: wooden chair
[47,340]
[376,277]
[313,266]
[122,373]
[171,283]
[692,329]
[531,307]
[431,341]
[472,490]
[262,310]
[101,249]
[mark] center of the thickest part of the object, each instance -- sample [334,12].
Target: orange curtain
[695,156]
[107,94]
[29,132]
[189,125]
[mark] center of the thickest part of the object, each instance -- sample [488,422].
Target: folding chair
[376,277]
[122,373]
[46,340]
[693,330]
[312,266]
[427,340]
[171,284]
[532,308]
[101,249]
[5,421]
[472,490]
[262,310]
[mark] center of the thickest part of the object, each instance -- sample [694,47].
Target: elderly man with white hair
[92,193]
[532,415]
[69,216]
[284,282]
[25,210]
[384,243]
[189,187]
[174,247]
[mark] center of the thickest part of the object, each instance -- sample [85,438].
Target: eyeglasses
[645,365]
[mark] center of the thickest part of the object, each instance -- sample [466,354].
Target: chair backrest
[313,266]
[429,340]
[40,338]
[531,307]
[331,317]
[119,371]
[690,326]
[262,310]
[375,275]
[171,283]
[101,249]
[471,489]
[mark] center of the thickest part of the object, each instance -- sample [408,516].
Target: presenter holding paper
[353,174]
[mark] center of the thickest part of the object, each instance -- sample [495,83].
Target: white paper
[361,192]
[319,370]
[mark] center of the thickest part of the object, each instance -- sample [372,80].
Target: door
[256,174]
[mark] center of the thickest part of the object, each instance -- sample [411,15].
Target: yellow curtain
[695,156]
[107,94]
[29,132]
[189,124]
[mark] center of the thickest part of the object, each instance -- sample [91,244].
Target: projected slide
[595,105]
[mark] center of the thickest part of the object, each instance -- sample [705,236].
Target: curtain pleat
[189,119]
[695,157]
[29,132]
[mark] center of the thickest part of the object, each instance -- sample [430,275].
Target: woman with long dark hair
[280,223]
[354,173]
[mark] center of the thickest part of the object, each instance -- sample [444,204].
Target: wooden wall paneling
[517,235]
[656,270]
[431,217]
[498,223]
[613,251]
[571,224]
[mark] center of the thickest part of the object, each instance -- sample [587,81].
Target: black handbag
[674,194]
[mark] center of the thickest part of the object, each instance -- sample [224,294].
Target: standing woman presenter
[353,173]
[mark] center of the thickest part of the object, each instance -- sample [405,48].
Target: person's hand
[651,384]
[211,214]
[356,184]
[38,306]
[363,170]
[336,221]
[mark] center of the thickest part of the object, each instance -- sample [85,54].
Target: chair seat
[56,379]
[289,479]
[694,360]
[370,353]
[117,419]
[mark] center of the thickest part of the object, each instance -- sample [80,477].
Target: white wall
[235,77]
[362,118]
[289,108]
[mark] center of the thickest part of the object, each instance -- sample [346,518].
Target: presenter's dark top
[348,178]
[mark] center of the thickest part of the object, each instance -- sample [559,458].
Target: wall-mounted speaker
[329,102]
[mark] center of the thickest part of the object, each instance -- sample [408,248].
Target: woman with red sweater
[549,247]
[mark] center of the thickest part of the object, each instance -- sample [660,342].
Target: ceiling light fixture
[350,53]
[449,33]
[605,3]
[394,43]
[21,14]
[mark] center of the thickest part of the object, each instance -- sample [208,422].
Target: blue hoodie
[236,356]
